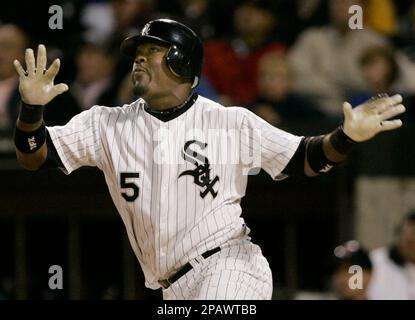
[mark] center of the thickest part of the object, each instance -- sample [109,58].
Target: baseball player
[176,164]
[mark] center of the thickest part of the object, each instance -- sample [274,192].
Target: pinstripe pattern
[170,223]
[238,272]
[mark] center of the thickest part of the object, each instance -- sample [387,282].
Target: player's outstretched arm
[36,89]
[361,123]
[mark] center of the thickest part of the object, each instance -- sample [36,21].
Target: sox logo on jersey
[201,173]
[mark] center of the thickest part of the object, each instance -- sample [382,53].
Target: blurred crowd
[286,60]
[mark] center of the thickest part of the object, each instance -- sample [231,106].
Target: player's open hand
[368,119]
[36,83]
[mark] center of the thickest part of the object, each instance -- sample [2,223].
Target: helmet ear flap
[178,62]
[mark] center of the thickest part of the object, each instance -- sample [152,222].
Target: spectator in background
[297,15]
[197,14]
[394,266]
[348,255]
[113,20]
[277,103]
[13,42]
[97,18]
[379,70]
[94,65]
[231,65]
[344,282]
[381,73]
[326,58]
[127,13]
[208,18]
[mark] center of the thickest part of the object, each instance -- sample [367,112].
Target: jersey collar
[172,113]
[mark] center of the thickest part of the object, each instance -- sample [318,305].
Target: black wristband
[316,158]
[30,142]
[341,142]
[30,113]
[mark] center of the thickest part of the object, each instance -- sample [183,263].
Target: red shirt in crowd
[234,73]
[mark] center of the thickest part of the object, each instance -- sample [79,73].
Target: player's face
[151,76]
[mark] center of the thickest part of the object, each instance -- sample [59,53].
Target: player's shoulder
[217,110]
[213,106]
[208,104]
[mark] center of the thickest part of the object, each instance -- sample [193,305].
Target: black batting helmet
[185,55]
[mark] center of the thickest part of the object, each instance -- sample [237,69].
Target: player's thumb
[59,89]
[347,111]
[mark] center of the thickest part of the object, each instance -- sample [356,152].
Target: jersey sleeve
[265,146]
[78,143]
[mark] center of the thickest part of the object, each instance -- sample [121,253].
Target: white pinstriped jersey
[176,184]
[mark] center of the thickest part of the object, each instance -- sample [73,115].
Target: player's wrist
[30,141]
[341,141]
[31,114]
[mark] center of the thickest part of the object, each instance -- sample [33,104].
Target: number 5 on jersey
[129,196]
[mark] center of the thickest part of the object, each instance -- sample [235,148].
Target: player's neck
[172,113]
[165,102]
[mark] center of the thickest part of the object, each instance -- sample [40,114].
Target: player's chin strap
[327,151]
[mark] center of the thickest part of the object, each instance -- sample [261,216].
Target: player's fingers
[348,111]
[384,103]
[41,58]
[19,69]
[30,61]
[396,99]
[53,69]
[390,125]
[59,88]
[392,112]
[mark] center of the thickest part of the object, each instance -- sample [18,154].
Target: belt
[165,283]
